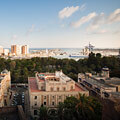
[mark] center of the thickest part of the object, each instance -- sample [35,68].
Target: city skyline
[60,24]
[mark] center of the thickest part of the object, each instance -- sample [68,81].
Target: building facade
[25,49]
[16,49]
[5,85]
[6,52]
[1,50]
[49,89]
[101,84]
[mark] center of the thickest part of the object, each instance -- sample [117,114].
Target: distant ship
[84,54]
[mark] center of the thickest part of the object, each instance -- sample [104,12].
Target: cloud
[114,17]
[97,22]
[83,20]
[100,31]
[31,29]
[116,32]
[67,12]
[102,19]
[14,37]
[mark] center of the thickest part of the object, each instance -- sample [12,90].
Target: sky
[60,23]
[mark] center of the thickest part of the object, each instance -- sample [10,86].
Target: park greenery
[83,108]
[21,69]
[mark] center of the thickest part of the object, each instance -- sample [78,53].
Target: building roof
[34,88]
[97,83]
[114,80]
[5,71]
[33,84]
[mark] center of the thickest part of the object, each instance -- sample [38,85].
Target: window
[35,104]
[57,88]
[59,103]
[53,103]
[80,79]
[35,97]
[35,112]
[53,97]
[45,103]
[42,88]
[51,88]
[59,97]
[44,97]
[64,89]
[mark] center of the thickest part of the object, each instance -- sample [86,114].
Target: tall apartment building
[6,51]
[16,49]
[25,49]
[49,89]
[1,50]
[5,84]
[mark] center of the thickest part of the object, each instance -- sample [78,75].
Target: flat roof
[97,83]
[97,77]
[113,80]
[34,88]
[62,78]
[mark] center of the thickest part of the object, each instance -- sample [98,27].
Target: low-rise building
[102,84]
[114,81]
[49,89]
[5,85]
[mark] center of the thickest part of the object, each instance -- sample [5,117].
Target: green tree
[12,65]
[43,113]
[84,108]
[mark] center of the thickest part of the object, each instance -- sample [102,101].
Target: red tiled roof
[33,84]
[78,88]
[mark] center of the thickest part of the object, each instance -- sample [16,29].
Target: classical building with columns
[49,89]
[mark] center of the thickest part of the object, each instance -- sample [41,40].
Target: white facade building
[25,49]
[49,89]
[6,52]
